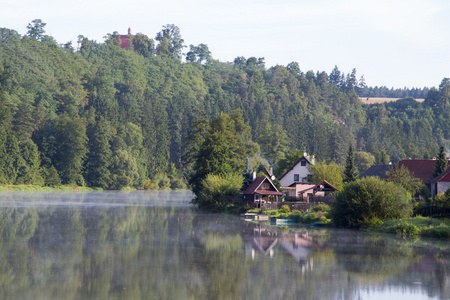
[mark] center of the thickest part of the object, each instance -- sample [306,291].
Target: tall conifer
[441,162]
[350,172]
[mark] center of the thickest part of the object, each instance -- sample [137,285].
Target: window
[303,163]
[296,177]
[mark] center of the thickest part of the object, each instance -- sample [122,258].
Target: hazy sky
[396,43]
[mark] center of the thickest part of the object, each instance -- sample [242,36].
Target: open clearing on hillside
[374,100]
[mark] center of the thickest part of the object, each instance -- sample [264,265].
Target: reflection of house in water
[261,240]
[264,239]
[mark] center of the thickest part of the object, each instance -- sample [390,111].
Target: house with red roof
[440,184]
[420,168]
[262,190]
[124,40]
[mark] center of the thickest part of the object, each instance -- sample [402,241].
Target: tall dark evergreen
[441,162]
[350,171]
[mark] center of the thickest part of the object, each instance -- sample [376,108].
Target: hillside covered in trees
[108,117]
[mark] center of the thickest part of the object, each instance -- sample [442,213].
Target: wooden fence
[434,212]
[305,206]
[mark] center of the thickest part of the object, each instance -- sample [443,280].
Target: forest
[98,115]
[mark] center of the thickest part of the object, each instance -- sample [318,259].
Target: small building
[262,190]
[124,40]
[377,171]
[308,191]
[440,184]
[299,171]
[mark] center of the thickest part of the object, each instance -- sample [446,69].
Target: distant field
[374,100]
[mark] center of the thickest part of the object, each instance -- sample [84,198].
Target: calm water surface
[155,245]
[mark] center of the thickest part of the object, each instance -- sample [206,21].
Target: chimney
[129,30]
[270,170]
[254,176]
[312,159]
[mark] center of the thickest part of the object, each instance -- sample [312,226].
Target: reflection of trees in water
[176,253]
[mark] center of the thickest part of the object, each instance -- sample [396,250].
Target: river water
[155,245]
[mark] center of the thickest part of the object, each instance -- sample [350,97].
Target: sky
[393,43]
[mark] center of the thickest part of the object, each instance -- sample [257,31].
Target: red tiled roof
[124,41]
[324,182]
[252,188]
[445,176]
[421,168]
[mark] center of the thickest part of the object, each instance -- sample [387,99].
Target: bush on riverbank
[370,198]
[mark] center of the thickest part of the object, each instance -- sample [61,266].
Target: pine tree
[350,172]
[441,162]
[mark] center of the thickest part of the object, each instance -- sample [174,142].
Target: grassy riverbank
[421,226]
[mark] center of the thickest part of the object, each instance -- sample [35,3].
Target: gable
[261,185]
[296,173]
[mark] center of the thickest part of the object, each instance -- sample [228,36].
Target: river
[156,245]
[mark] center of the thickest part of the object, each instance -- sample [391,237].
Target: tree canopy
[89,114]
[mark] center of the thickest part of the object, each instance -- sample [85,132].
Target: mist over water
[156,245]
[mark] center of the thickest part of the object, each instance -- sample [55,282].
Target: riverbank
[318,214]
[38,188]
[414,226]
[420,226]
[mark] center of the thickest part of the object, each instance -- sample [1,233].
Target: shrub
[217,191]
[321,207]
[285,209]
[309,217]
[369,198]
[270,212]
[403,228]
[282,216]
[374,222]
[295,215]
[439,231]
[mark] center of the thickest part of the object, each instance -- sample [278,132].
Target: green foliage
[124,170]
[330,172]
[218,190]
[440,231]
[403,228]
[224,149]
[285,209]
[350,171]
[369,198]
[160,182]
[313,217]
[321,207]
[36,29]
[441,162]
[81,107]
[364,160]
[402,176]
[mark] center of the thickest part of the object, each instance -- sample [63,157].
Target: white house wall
[302,171]
[442,187]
